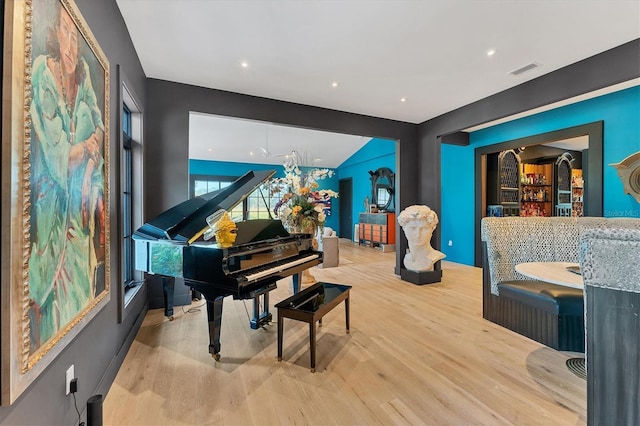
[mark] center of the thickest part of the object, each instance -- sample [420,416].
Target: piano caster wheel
[279,358]
[216,357]
[313,370]
[170,318]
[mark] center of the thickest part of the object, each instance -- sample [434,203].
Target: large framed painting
[55,175]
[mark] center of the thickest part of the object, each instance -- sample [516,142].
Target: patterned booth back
[514,240]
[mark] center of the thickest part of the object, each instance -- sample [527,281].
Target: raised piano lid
[187,221]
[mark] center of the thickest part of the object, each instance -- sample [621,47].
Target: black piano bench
[309,306]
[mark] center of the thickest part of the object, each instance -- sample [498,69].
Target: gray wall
[98,350]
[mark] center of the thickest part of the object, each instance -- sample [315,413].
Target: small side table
[310,305]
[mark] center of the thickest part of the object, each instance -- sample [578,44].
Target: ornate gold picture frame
[55,179]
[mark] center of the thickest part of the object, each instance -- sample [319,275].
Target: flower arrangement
[301,207]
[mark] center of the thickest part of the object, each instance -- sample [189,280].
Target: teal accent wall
[375,154]
[620,112]
[457,203]
[224,168]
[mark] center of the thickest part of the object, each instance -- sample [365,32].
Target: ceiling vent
[525,68]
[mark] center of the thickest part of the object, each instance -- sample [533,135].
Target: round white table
[552,272]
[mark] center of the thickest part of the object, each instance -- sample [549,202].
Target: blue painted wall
[375,154]
[620,112]
[224,168]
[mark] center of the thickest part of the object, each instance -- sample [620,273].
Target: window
[130,193]
[257,205]
[127,193]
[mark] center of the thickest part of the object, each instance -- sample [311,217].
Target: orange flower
[304,190]
[296,210]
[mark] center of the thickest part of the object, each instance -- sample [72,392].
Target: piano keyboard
[279,268]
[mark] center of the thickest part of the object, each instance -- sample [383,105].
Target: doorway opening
[541,151]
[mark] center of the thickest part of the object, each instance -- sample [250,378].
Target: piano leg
[214,315]
[297,280]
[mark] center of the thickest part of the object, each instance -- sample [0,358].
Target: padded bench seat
[548,313]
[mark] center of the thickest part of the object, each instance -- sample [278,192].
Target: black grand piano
[177,244]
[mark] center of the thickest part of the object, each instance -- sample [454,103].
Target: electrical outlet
[69,377]
[450,243]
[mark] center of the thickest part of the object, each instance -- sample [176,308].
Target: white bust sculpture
[418,223]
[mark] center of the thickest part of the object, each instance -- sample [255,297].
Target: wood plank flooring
[415,355]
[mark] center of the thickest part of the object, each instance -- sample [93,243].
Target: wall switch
[450,243]
[69,377]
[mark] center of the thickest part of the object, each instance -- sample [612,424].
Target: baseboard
[116,362]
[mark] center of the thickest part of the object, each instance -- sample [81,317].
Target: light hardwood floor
[415,355]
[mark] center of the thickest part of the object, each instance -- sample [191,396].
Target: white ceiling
[430,52]
[244,141]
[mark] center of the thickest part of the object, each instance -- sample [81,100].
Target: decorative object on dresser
[382,190]
[377,227]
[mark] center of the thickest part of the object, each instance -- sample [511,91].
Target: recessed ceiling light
[491,52]
[403,99]
[251,153]
[210,149]
[244,64]
[334,84]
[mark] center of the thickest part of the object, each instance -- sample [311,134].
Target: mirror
[382,189]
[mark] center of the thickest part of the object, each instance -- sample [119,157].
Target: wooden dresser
[377,229]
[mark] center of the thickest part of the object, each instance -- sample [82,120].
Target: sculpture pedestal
[421,278]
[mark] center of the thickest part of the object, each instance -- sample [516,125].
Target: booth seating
[548,313]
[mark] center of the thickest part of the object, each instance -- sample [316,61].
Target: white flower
[326,193]
[285,211]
